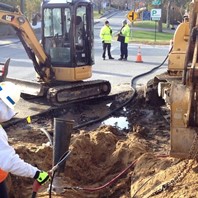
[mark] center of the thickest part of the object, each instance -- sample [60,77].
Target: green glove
[41,177]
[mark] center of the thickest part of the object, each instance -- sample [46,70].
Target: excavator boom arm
[13,16]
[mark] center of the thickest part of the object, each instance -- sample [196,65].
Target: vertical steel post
[23,6]
[62,135]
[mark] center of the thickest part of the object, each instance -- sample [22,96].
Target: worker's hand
[41,177]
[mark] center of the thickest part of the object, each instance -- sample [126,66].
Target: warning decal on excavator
[8,17]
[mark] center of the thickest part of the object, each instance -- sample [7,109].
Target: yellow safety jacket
[106,34]
[126,33]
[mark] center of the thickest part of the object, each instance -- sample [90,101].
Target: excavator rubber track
[78,91]
[61,93]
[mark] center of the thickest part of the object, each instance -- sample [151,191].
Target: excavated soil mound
[108,161]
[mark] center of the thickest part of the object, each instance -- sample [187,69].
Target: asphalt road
[119,73]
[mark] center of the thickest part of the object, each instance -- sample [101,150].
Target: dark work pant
[3,190]
[123,50]
[106,46]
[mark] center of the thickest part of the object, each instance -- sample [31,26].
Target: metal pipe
[62,135]
[23,6]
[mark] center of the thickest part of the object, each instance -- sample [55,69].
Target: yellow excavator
[179,87]
[63,59]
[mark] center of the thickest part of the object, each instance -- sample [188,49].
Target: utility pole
[134,2]
[22,6]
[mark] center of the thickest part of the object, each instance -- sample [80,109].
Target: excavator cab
[67,38]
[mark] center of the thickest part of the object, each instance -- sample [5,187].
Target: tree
[98,3]
[11,2]
[32,7]
[168,14]
[168,5]
[183,5]
[171,5]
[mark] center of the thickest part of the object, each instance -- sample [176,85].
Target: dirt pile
[98,156]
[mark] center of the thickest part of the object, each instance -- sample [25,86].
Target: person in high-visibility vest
[10,162]
[106,37]
[125,33]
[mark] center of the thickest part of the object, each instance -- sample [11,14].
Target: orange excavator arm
[14,17]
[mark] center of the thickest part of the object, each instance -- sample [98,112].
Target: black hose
[152,70]
[34,195]
[158,156]
[54,169]
[128,101]
[141,187]
[60,161]
[51,183]
[107,115]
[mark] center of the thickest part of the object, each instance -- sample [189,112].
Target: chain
[183,171]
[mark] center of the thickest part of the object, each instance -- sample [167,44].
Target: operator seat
[80,41]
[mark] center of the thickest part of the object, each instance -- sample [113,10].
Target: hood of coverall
[6,113]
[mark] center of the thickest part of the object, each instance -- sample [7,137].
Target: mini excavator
[63,59]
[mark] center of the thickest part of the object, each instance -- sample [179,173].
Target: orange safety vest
[3,175]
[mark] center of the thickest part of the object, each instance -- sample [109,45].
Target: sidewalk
[108,14]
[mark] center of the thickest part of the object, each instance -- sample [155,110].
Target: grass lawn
[150,36]
[147,24]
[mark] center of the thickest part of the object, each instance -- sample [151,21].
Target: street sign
[155,18]
[156,2]
[132,16]
[146,16]
[156,14]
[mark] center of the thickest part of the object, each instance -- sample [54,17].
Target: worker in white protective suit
[10,162]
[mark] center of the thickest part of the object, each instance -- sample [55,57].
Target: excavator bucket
[4,70]
[184,136]
[182,93]
[30,88]
[26,87]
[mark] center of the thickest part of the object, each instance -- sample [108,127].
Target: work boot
[120,58]
[111,58]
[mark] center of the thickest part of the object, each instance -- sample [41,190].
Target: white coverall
[9,160]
